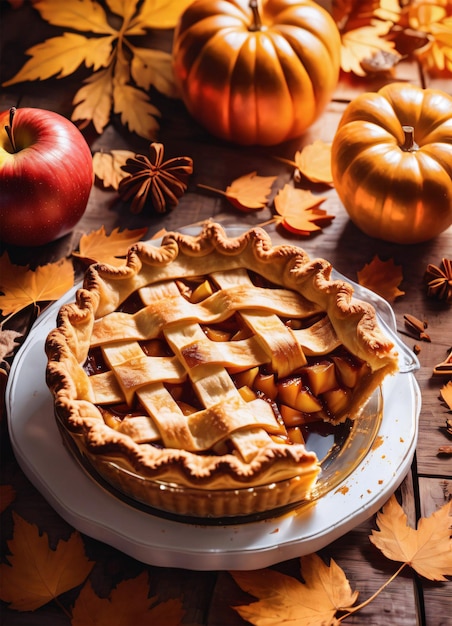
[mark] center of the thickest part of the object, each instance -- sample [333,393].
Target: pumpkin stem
[257,23]
[410,145]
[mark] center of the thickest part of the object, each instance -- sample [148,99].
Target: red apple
[46,175]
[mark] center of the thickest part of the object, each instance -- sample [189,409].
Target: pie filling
[203,362]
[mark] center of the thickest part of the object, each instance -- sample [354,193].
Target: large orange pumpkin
[256,73]
[392,162]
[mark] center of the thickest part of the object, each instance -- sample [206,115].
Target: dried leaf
[434,19]
[128,603]
[107,166]
[7,495]
[98,247]
[36,573]
[383,277]
[93,101]
[119,84]
[285,600]
[22,286]
[299,211]
[314,162]
[8,343]
[361,44]
[247,193]
[446,394]
[428,549]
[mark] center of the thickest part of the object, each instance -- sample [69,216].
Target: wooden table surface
[208,596]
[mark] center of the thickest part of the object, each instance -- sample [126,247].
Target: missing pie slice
[186,377]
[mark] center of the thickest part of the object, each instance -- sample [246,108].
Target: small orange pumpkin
[392,162]
[256,73]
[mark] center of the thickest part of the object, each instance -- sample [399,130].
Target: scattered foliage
[313,161]
[383,277]
[108,167]
[326,591]
[247,193]
[299,211]
[22,286]
[122,71]
[378,34]
[98,247]
[8,345]
[128,603]
[284,599]
[427,549]
[37,574]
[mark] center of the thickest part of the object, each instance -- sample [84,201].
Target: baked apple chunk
[186,377]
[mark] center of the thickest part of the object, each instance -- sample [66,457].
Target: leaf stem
[201,186]
[356,608]
[10,129]
[63,608]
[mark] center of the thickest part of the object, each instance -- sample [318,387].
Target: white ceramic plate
[81,501]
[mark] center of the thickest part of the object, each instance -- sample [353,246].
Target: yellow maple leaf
[107,166]
[299,211]
[284,599]
[314,162]
[446,394]
[37,574]
[434,19]
[362,43]
[383,277]
[427,549]
[247,193]
[128,603]
[122,71]
[22,286]
[98,247]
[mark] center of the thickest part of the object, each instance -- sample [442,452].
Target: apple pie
[185,378]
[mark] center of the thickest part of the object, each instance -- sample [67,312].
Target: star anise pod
[439,280]
[153,181]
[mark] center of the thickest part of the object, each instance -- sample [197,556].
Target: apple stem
[257,24]
[9,129]
[410,145]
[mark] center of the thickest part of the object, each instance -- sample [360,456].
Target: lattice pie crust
[176,374]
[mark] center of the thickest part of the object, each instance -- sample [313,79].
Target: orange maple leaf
[22,286]
[446,394]
[427,549]
[98,247]
[383,277]
[434,18]
[36,573]
[128,603]
[363,43]
[313,162]
[284,599]
[247,193]
[299,211]
[108,166]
